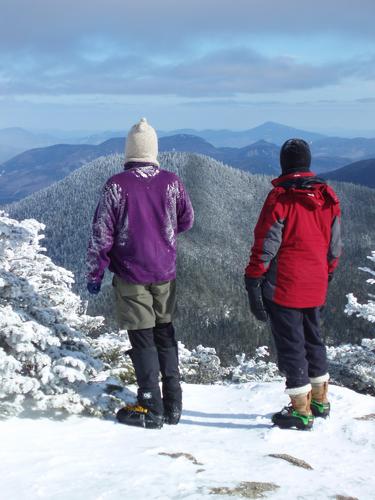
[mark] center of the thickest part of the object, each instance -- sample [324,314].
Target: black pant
[162,335]
[300,350]
[161,345]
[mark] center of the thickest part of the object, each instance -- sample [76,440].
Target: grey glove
[254,291]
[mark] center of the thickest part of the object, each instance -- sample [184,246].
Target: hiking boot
[320,409]
[320,406]
[148,411]
[172,413]
[297,414]
[288,418]
[139,416]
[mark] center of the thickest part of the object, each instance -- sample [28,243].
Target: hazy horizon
[339,132]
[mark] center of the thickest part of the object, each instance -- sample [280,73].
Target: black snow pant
[154,350]
[167,347]
[301,352]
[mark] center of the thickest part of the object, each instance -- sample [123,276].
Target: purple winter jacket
[140,213]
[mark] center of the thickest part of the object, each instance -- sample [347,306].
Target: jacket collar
[291,177]
[138,164]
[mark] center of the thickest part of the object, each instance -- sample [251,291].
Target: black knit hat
[295,156]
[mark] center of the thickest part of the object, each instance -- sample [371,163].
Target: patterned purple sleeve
[185,212]
[102,234]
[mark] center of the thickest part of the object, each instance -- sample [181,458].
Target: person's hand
[93,288]
[254,291]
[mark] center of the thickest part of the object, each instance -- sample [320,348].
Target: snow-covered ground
[223,440]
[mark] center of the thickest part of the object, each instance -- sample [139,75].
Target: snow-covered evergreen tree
[255,369]
[201,365]
[367,310]
[46,356]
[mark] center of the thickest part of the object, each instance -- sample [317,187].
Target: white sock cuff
[320,380]
[295,391]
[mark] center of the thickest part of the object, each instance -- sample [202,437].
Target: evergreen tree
[46,355]
[367,310]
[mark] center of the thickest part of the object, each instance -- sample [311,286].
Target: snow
[226,428]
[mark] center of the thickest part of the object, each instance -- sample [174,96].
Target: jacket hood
[307,188]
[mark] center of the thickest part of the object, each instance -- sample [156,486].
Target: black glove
[254,291]
[323,307]
[93,288]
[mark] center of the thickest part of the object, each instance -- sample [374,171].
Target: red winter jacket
[297,241]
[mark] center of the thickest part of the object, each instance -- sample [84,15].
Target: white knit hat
[142,143]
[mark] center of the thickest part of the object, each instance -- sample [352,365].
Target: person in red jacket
[296,249]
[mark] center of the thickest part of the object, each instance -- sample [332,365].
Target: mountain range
[38,168]
[275,133]
[213,307]
[16,139]
[359,172]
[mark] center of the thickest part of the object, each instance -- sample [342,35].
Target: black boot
[139,416]
[148,412]
[320,406]
[168,360]
[297,414]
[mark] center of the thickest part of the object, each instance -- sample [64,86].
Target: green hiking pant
[143,306]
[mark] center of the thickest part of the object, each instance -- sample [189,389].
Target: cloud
[222,73]
[366,100]
[188,49]
[228,103]
[56,25]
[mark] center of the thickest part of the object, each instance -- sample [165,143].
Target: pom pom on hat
[142,144]
[142,124]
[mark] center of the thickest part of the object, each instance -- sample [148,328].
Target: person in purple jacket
[134,234]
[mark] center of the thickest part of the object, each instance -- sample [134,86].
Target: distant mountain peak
[263,142]
[271,124]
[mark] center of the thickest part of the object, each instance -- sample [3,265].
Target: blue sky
[98,65]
